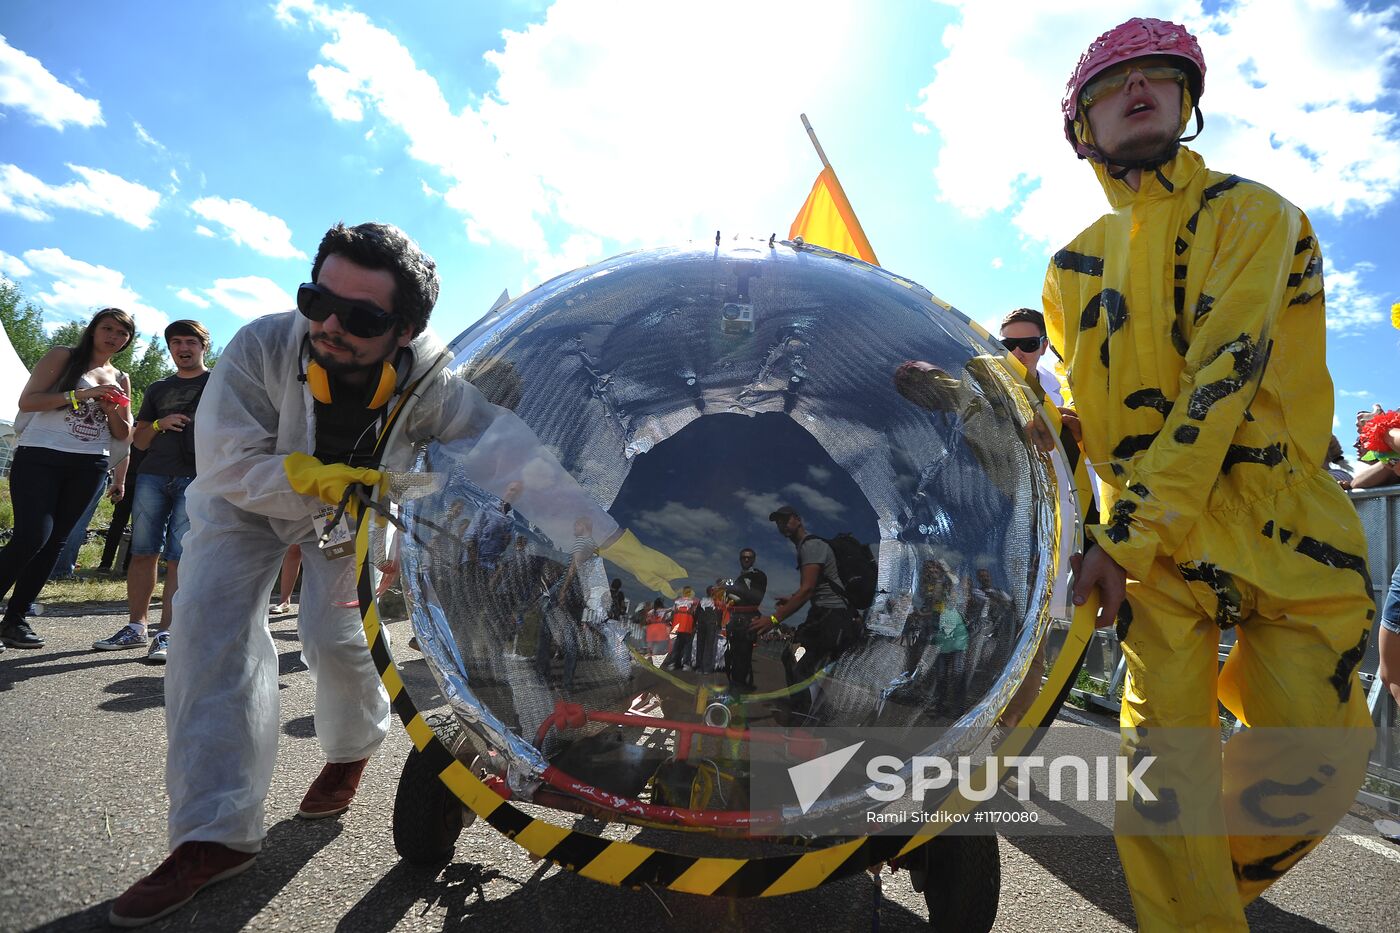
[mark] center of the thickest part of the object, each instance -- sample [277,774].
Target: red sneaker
[191,868]
[333,789]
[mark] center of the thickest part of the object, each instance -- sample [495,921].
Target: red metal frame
[574,716]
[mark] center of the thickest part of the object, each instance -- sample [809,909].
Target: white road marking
[1384,849]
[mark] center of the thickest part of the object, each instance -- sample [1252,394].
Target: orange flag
[826,219]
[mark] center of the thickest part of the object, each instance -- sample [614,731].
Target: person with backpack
[831,621]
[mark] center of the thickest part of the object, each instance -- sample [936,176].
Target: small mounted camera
[735,318]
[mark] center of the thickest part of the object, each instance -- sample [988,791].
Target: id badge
[341,542]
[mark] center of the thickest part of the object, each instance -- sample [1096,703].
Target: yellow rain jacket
[1191,322]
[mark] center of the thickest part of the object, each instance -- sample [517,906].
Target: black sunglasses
[360,318]
[1024,344]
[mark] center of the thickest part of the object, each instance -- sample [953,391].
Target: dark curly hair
[383,246]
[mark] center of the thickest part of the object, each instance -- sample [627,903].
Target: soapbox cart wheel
[960,878]
[427,816]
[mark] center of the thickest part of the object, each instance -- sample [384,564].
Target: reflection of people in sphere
[683,613]
[930,387]
[488,536]
[747,592]
[823,633]
[658,629]
[1167,311]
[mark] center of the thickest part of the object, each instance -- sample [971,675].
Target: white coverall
[221,682]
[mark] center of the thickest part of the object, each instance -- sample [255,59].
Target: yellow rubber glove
[326,481]
[650,567]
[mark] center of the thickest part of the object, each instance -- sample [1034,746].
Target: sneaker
[333,789]
[189,869]
[126,637]
[160,646]
[20,635]
[281,609]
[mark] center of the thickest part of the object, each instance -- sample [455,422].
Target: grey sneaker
[160,646]
[126,637]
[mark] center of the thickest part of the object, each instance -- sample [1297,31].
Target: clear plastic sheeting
[576,587]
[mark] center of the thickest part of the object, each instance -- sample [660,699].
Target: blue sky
[182,160]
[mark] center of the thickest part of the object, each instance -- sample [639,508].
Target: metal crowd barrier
[1101,679]
[7,447]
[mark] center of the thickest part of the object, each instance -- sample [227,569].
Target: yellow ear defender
[319,383]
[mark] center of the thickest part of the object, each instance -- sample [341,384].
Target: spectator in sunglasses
[1023,334]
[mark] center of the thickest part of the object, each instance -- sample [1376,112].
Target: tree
[67,334]
[24,323]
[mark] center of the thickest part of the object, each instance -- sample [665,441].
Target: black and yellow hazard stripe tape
[627,864]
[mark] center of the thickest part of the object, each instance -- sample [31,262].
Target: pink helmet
[1136,38]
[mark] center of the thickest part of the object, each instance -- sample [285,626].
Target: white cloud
[1350,307]
[1362,394]
[997,262]
[676,521]
[26,84]
[758,504]
[11,267]
[819,475]
[1293,100]
[248,226]
[338,89]
[249,296]
[96,191]
[596,128]
[186,295]
[77,289]
[147,138]
[204,231]
[810,502]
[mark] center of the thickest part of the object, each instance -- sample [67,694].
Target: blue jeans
[1390,609]
[158,515]
[68,557]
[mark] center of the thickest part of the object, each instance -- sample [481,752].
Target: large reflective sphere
[576,580]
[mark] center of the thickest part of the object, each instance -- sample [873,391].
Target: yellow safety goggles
[1112,81]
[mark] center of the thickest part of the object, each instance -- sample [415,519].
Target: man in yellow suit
[1191,322]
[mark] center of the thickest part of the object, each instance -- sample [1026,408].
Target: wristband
[156,424]
[773,619]
[73,400]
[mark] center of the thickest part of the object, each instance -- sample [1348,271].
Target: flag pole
[812,135]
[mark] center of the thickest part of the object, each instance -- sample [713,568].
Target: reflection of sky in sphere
[706,493]
[666,402]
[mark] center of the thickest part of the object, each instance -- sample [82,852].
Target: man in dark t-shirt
[165,431]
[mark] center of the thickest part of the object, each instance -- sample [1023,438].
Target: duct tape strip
[628,864]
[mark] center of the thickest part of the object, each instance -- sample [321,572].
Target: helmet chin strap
[1156,161]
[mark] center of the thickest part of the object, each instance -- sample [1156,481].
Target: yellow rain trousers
[1191,321]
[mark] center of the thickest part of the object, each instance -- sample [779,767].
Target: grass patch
[88,585]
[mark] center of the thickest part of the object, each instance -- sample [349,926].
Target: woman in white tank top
[74,407]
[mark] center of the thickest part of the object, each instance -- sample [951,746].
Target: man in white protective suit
[290,418]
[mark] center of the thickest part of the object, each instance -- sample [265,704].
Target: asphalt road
[82,815]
